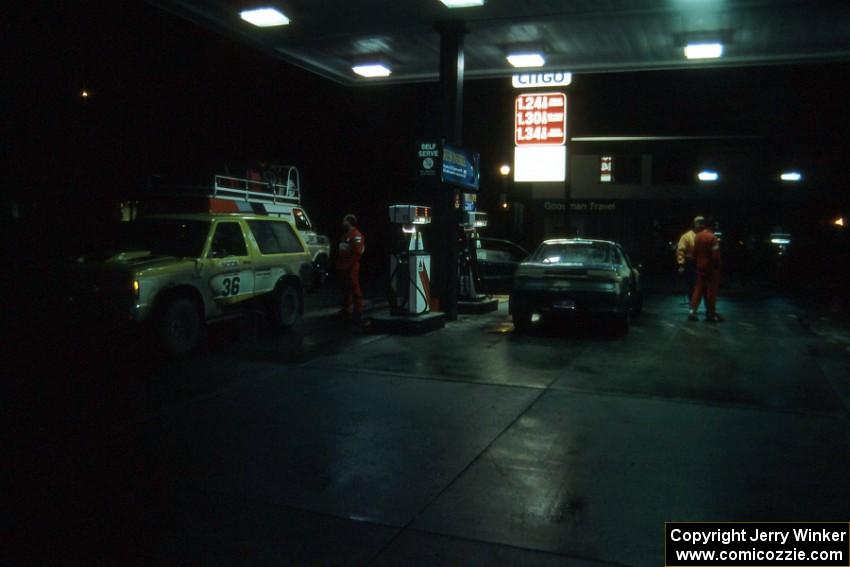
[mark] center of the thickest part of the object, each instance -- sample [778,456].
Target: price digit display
[540,119]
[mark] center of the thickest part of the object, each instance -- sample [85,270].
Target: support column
[446,216]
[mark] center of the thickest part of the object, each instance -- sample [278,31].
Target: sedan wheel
[522,320]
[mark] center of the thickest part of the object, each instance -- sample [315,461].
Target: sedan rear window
[578,253]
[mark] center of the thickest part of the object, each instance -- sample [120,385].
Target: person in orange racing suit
[351,248]
[706,253]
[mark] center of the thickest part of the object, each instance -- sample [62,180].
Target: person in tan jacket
[706,254]
[685,256]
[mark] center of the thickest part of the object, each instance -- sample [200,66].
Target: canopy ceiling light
[708,175]
[526,59]
[264,17]
[462,3]
[791,176]
[703,50]
[371,70]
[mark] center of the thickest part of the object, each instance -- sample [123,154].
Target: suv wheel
[180,327]
[286,307]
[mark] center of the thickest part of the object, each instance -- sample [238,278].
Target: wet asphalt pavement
[471,445]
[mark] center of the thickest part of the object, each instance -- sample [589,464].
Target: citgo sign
[531,80]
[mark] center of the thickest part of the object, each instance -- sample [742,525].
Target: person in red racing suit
[351,248]
[706,254]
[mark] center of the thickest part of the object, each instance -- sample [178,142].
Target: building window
[673,168]
[625,169]
[606,165]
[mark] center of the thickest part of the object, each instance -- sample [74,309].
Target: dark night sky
[167,94]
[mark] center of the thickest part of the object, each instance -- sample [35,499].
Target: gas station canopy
[330,37]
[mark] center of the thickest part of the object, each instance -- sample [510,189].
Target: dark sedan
[567,276]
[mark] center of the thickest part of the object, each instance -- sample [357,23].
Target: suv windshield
[577,253]
[167,237]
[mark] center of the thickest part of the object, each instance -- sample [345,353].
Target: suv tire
[285,307]
[180,326]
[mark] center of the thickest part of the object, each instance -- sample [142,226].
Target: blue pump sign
[461,167]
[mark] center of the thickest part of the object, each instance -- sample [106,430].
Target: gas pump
[468,274]
[410,263]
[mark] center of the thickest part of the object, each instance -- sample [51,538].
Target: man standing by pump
[352,244]
[685,256]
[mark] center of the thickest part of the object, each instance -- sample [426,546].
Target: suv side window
[228,241]
[286,237]
[275,237]
[265,237]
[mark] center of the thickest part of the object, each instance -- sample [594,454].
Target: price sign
[540,119]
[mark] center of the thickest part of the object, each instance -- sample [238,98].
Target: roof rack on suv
[285,188]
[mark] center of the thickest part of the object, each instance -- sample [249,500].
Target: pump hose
[390,297]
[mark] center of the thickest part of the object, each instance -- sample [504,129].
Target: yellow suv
[176,271]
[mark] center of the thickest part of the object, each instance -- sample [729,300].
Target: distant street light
[84,94]
[708,175]
[505,169]
[839,222]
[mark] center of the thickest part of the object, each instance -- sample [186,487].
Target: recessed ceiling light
[372,70]
[791,176]
[264,17]
[703,50]
[462,3]
[708,175]
[526,60]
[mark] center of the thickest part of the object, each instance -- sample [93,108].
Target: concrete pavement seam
[463,471]
[427,377]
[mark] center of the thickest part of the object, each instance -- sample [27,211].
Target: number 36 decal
[230,286]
